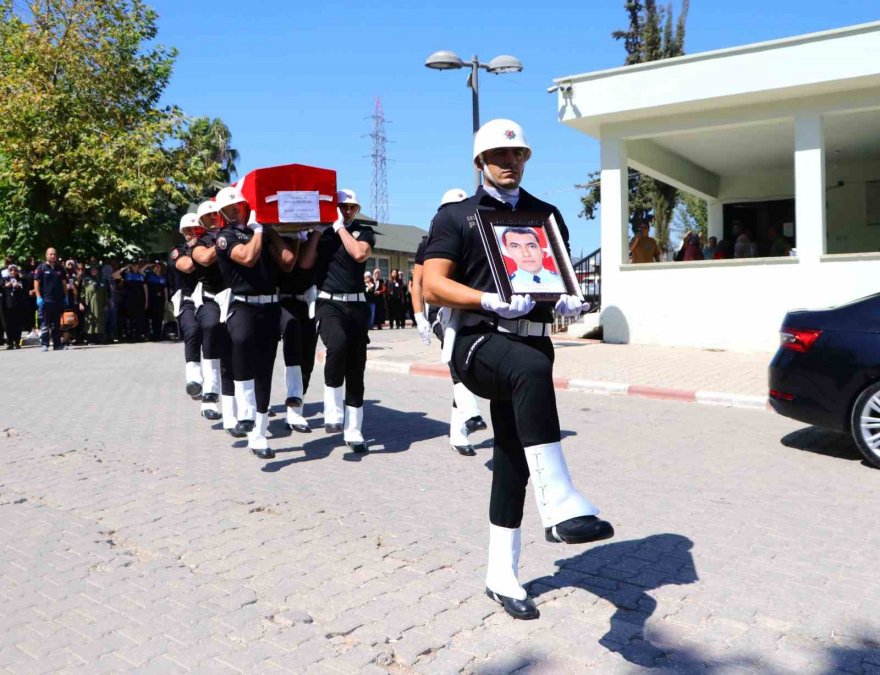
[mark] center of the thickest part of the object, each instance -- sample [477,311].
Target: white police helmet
[228,196]
[500,133]
[452,196]
[188,220]
[206,208]
[345,196]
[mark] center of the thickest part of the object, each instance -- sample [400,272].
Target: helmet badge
[510,134]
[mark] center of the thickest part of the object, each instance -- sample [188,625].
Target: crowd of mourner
[108,301]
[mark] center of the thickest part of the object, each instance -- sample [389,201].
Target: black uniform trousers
[516,375]
[299,336]
[215,343]
[156,318]
[192,332]
[50,324]
[254,331]
[343,328]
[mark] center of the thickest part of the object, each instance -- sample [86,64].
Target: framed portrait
[527,255]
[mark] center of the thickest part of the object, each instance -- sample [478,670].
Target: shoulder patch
[356,234]
[175,254]
[221,243]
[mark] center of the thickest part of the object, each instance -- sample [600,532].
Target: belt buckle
[522,327]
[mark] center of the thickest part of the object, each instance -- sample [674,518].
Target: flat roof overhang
[846,59]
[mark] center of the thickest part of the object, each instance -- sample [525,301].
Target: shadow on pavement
[623,573]
[386,430]
[821,441]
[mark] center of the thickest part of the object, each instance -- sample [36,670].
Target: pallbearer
[299,336]
[184,307]
[250,260]
[339,256]
[215,340]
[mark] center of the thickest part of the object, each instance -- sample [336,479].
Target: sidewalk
[679,373]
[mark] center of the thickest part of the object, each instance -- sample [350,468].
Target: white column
[716,218]
[615,238]
[809,186]
[615,204]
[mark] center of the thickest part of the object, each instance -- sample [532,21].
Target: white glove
[303,235]
[519,305]
[253,224]
[424,327]
[340,221]
[569,306]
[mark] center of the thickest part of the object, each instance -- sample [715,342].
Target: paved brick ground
[136,538]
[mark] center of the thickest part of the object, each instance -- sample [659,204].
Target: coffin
[291,197]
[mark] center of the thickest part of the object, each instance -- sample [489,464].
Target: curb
[717,398]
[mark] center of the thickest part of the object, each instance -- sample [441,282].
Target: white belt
[519,327]
[205,294]
[256,299]
[342,297]
[186,298]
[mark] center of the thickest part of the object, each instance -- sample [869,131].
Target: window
[382,262]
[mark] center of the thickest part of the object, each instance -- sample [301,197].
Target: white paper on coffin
[298,206]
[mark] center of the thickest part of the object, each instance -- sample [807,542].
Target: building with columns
[779,138]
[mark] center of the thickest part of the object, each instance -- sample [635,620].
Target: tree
[208,141]
[89,161]
[691,214]
[650,36]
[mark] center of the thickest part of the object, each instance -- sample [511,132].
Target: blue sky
[297,82]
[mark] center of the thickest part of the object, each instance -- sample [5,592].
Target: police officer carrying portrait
[184,308]
[339,256]
[502,352]
[299,336]
[250,260]
[218,385]
[465,417]
[50,286]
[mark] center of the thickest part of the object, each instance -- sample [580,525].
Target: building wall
[737,305]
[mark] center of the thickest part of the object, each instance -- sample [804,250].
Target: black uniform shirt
[420,251]
[297,281]
[261,279]
[335,270]
[53,282]
[455,237]
[186,282]
[133,283]
[210,276]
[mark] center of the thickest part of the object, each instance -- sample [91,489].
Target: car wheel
[865,423]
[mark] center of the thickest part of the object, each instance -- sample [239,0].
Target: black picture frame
[492,224]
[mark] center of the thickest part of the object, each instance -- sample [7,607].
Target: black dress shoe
[579,530]
[212,415]
[193,390]
[301,428]
[293,402]
[466,450]
[475,423]
[235,433]
[359,448]
[243,427]
[518,609]
[333,428]
[210,398]
[268,453]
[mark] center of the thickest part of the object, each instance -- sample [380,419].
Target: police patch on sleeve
[221,243]
[356,234]
[175,254]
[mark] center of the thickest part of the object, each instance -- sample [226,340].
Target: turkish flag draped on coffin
[291,197]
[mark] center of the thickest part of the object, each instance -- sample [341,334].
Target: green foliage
[650,36]
[89,161]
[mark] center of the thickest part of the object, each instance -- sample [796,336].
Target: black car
[827,371]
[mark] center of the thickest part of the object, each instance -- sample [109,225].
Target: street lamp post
[446,60]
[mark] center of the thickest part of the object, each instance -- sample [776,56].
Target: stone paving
[137,538]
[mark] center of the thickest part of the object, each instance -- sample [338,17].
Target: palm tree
[209,139]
